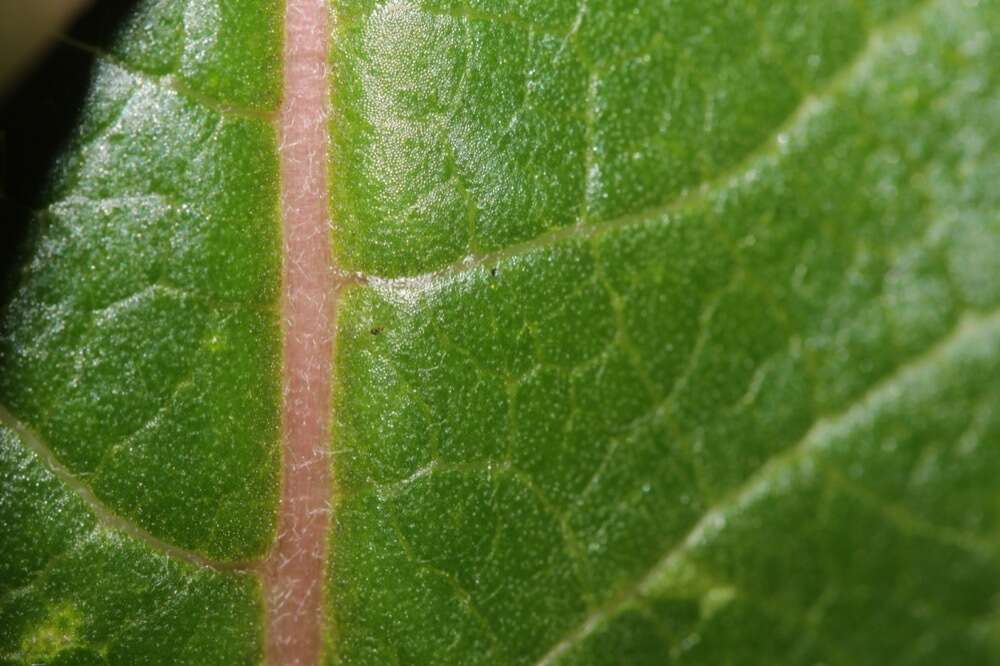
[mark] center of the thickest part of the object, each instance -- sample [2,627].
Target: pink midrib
[294,571]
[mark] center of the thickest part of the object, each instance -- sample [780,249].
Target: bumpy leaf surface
[666,333]
[140,353]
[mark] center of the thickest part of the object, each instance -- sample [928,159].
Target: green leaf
[140,352]
[78,591]
[666,332]
[680,340]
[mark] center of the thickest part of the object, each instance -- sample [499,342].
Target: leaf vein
[691,197]
[812,442]
[105,516]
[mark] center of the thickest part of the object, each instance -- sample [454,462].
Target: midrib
[293,573]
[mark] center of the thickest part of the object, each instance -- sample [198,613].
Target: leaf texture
[665,333]
[145,319]
[140,348]
[683,345]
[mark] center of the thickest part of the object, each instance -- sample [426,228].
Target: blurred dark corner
[37,118]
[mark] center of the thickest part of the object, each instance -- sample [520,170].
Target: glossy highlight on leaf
[652,333]
[685,354]
[139,348]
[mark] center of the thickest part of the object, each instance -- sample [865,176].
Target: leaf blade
[533,426]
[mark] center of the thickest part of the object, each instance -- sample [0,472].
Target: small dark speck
[494,271]
[377,330]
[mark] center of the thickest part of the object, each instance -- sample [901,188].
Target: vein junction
[796,122]
[33,442]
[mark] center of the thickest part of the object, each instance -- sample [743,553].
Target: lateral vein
[105,516]
[809,106]
[814,441]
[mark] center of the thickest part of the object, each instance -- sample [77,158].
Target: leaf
[687,338]
[665,333]
[77,592]
[140,352]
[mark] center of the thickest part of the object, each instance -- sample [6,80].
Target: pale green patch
[59,631]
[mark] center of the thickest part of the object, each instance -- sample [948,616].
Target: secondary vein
[808,108]
[970,329]
[105,516]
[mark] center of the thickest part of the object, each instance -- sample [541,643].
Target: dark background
[38,115]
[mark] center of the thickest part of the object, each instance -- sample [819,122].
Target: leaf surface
[139,352]
[680,342]
[664,333]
